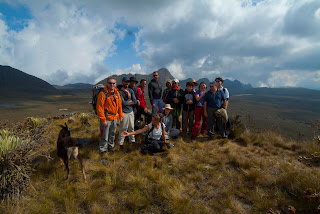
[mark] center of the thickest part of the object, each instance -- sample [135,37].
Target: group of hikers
[127,102]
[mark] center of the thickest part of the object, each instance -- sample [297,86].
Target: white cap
[175,80]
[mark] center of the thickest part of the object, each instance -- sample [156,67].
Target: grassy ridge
[249,174]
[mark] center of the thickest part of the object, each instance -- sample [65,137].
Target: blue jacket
[126,108]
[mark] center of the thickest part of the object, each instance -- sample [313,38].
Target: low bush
[15,166]
[84,119]
[33,122]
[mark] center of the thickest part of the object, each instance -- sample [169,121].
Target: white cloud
[262,44]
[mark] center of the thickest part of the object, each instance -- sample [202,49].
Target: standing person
[142,107]
[109,108]
[127,124]
[226,125]
[213,101]
[194,84]
[166,91]
[175,99]
[155,93]
[168,121]
[199,112]
[189,102]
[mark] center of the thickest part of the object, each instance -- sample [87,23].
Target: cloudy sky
[266,43]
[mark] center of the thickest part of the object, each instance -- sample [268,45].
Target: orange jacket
[112,104]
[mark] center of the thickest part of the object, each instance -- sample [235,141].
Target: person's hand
[189,102]
[168,132]
[121,120]
[129,95]
[104,124]
[138,102]
[145,110]
[153,105]
[175,100]
[205,114]
[130,103]
[124,134]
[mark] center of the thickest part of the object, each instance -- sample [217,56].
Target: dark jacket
[189,96]
[154,90]
[175,94]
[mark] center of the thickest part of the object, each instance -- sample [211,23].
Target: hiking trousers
[126,125]
[107,135]
[199,114]
[187,121]
[211,120]
[159,103]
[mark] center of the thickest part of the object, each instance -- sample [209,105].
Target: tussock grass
[250,173]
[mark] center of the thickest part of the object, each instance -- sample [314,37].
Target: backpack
[146,136]
[95,92]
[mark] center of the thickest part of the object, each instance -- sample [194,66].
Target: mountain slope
[15,83]
[163,73]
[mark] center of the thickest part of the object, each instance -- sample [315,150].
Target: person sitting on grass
[168,121]
[155,131]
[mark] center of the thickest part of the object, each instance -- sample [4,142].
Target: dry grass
[249,174]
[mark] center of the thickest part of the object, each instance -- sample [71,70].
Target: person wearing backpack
[155,137]
[219,81]
[108,108]
[128,115]
[142,107]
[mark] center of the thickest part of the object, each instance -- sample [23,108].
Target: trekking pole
[187,120]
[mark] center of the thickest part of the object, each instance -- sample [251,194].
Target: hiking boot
[134,142]
[210,136]
[111,149]
[193,137]
[121,147]
[174,137]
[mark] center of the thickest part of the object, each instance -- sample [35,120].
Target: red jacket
[140,97]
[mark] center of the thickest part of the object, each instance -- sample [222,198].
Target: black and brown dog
[68,147]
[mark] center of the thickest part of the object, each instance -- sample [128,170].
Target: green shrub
[33,123]
[15,167]
[84,119]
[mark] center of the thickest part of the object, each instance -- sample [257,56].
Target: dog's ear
[61,126]
[66,125]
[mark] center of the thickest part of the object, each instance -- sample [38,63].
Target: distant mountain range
[164,74]
[15,83]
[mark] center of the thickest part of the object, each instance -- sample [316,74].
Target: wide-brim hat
[194,82]
[168,106]
[133,79]
[175,80]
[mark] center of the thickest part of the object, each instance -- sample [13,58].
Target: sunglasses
[111,83]
[217,80]
[155,75]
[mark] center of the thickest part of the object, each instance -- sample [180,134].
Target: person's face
[126,84]
[203,86]
[175,84]
[155,76]
[111,84]
[133,84]
[189,87]
[143,84]
[213,87]
[169,85]
[154,121]
[219,82]
[167,111]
